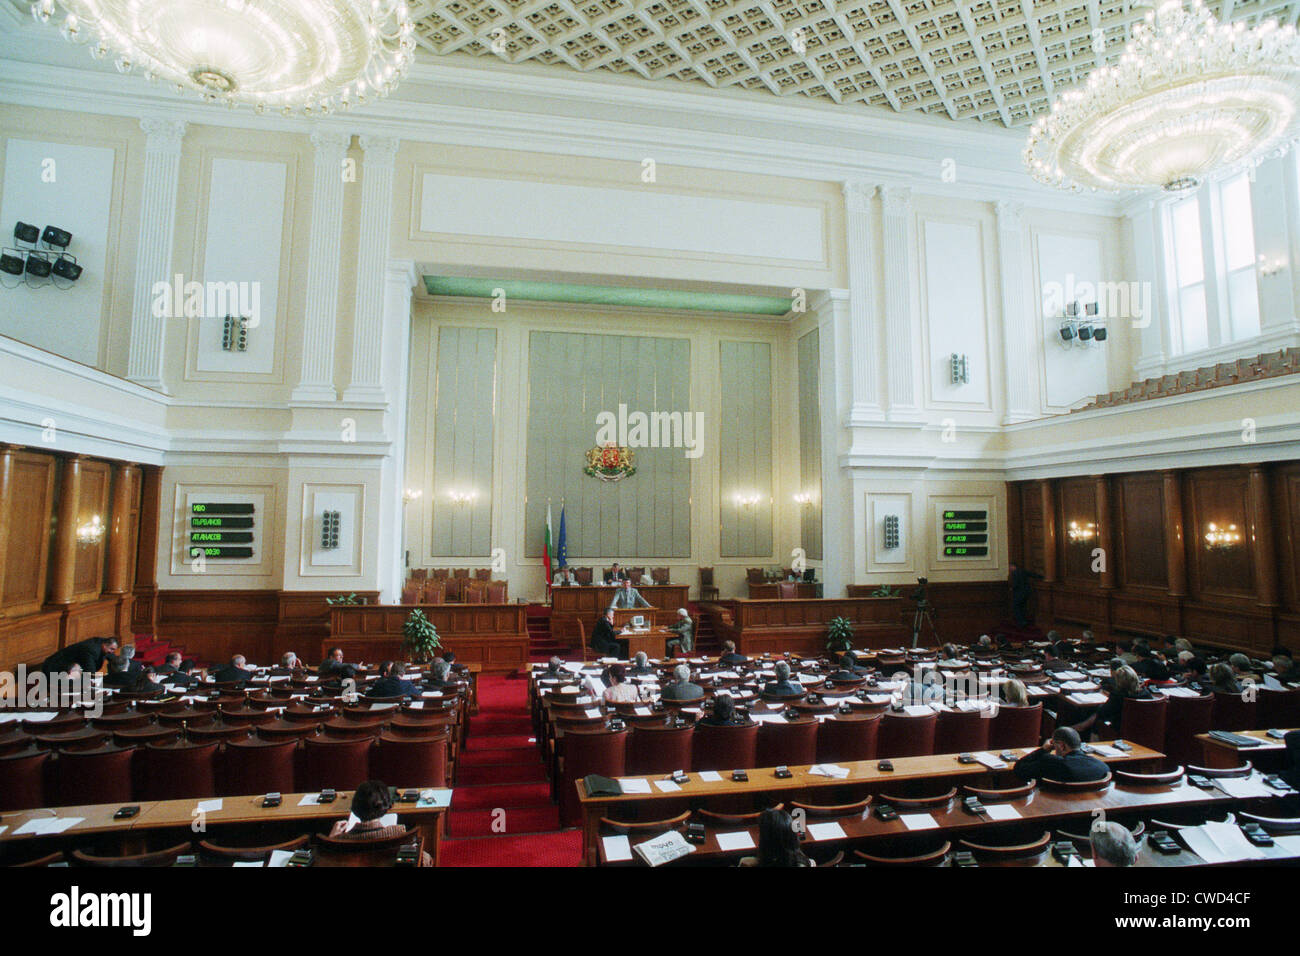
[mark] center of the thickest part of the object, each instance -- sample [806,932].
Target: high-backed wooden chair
[962,731]
[786,590]
[793,743]
[178,770]
[1014,727]
[658,748]
[22,779]
[660,575]
[1144,721]
[933,857]
[165,857]
[902,735]
[435,592]
[440,574]
[223,853]
[583,575]
[102,775]
[848,737]
[341,851]
[1234,712]
[755,575]
[419,574]
[1023,849]
[1278,708]
[723,748]
[412,592]
[258,766]
[708,590]
[483,574]
[410,762]
[587,751]
[1188,716]
[460,573]
[497,592]
[341,764]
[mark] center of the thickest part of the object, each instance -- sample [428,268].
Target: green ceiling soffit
[608,295]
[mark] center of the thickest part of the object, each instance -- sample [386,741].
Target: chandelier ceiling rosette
[313,56]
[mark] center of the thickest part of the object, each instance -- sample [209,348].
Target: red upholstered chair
[110,722]
[1188,716]
[13,741]
[59,724]
[496,592]
[460,573]
[659,749]
[22,779]
[474,595]
[258,766]
[902,735]
[483,574]
[725,748]
[1278,708]
[412,592]
[789,744]
[165,857]
[1016,727]
[410,762]
[85,738]
[341,764]
[786,590]
[1144,721]
[435,592]
[587,751]
[961,731]
[176,771]
[1234,712]
[148,734]
[848,737]
[101,775]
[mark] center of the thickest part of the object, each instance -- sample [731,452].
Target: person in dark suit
[1292,772]
[1149,664]
[783,686]
[723,713]
[235,672]
[729,656]
[1060,759]
[1054,658]
[615,574]
[848,670]
[452,666]
[640,665]
[124,671]
[1022,589]
[439,677]
[391,683]
[333,668]
[1127,684]
[89,655]
[682,688]
[603,636]
[176,671]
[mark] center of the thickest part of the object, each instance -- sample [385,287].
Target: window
[1184,237]
[1238,233]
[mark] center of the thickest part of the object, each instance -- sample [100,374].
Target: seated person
[628,597]
[950,652]
[554,667]
[729,657]
[170,664]
[848,669]
[778,842]
[176,671]
[1149,664]
[369,805]
[1014,693]
[723,713]
[1284,669]
[1127,684]
[439,677]
[685,629]
[984,647]
[1292,772]
[1054,658]
[618,689]
[450,658]
[391,683]
[89,655]
[334,668]
[615,574]
[1245,674]
[783,686]
[1223,679]
[1113,844]
[604,639]
[289,664]
[681,687]
[1060,759]
[564,578]
[236,672]
[124,671]
[641,665]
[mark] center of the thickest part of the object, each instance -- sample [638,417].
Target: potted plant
[345,599]
[839,634]
[420,637]
[885,590]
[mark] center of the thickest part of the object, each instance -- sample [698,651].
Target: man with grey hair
[628,597]
[290,661]
[437,679]
[681,688]
[1113,844]
[235,672]
[553,666]
[685,629]
[641,665]
[1241,668]
[783,686]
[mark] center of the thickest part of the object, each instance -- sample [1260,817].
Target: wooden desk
[864,775]
[798,625]
[1221,754]
[589,602]
[653,642]
[494,636]
[770,591]
[176,818]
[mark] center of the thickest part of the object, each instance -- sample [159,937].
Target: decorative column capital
[381,149]
[1009,212]
[858,195]
[330,143]
[896,200]
[163,135]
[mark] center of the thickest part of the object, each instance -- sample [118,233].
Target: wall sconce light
[462,498]
[411,494]
[959,369]
[749,500]
[1221,538]
[92,532]
[329,530]
[1269,266]
[1079,534]
[803,499]
[891,532]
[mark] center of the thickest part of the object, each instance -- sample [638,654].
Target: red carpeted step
[504,821]
[489,726]
[535,794]
[536,849]
[509,757]
[499,774]
[477,741]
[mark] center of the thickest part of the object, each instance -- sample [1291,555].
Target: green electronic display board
[221,529]
[964,533]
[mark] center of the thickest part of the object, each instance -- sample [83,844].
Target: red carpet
[501,810]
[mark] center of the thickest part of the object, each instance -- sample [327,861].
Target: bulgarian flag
[546,549]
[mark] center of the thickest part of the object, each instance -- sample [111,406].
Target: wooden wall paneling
[1106,536]
[27,551]
[64,558]
[1175,532]
[303,622]
[1050,556]
[29,639]
[1286,503]
[1015,520]
[1260,537]
[117,576]
[215,625]
[1139,519]
[7,453]
[1077,511]
[144,607]
[1219,496]
[92,502]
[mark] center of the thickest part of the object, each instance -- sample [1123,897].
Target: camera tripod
[924,615]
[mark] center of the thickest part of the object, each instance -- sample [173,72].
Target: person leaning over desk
[1060,758]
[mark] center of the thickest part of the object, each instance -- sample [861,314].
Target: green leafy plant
[419,637]
[345,599]
[839,634]
[885,590]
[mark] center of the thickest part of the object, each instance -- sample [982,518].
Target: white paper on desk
[584,699]
[879,698]
[826,831]
[434,798]
[918,821]
[4,828]
[279,858]
[310,800]
[828,770]
[1071,675]
[710,776]
[634,784]
[1177,692]
[592,712]
[209,806]
[36,717]
[1036,691]
[641,711]
[1080,862]
[768,719]
[173,689]
[416,705]
[667,786]
[1106,750]
[46,825]
[617,849]
[431,694]
[991,761]
[1001,811]
[891,684]
[970,705]
[740,840]
[1242,787]
[310,680]
[1088,698]
[1229,838]
[257,863]
[568,689]
[918,710]
[385,706]
[1085,685]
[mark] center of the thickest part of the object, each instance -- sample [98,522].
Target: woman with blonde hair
[1127,684]
[1014,693]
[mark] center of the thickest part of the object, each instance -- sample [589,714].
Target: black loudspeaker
[25,232]
[38,266]
[56,237]
[65,267]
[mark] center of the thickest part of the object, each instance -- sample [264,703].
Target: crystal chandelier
[316,56]
[1189,96]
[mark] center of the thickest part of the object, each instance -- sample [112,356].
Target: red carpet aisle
[501,771]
